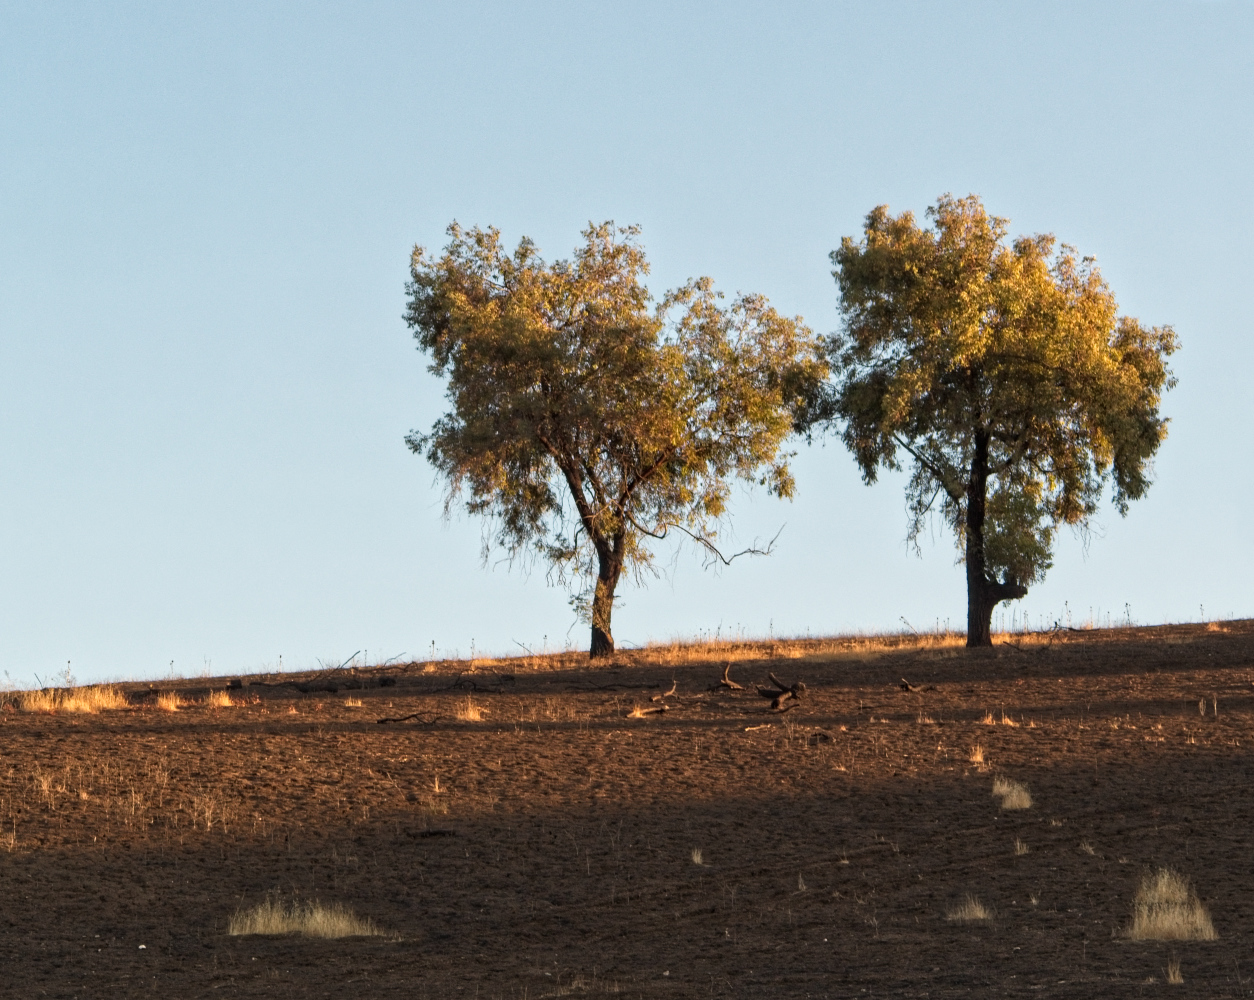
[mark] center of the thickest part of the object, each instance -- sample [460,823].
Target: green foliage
[586,420]
[1003,374]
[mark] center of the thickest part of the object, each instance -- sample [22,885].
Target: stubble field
[523,835]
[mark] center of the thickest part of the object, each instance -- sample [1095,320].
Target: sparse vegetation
[311,919]
[219,699]
[1020,847]
[1166,908]
[352,703]
[169,701]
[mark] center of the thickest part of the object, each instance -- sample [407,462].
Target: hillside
[518,833]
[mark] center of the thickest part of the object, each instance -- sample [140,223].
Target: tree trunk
[983,593]
[609,566]
[979,610]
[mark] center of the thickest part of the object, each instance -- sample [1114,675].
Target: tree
[585,423]
[1004,375]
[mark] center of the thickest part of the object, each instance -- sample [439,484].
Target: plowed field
[558,846]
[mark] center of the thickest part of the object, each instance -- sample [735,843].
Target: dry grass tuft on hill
[969,911]
[468,711]
[309,919]
[1166,908]
[1013,795]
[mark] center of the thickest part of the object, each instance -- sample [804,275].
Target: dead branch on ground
[905,685]
[638,713]
[420,716]
[782,693]
[661,697]
[726,682]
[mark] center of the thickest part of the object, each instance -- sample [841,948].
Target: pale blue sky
[206,213]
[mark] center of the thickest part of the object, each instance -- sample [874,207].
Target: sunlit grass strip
[1166,908]
[310,919]
[89,700]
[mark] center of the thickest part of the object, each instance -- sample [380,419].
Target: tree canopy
[586,420]
[1002,376]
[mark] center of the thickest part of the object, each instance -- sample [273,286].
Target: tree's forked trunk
[983,594]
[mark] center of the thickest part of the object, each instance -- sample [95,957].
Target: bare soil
[548,849]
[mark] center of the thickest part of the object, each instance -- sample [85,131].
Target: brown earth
[548,850]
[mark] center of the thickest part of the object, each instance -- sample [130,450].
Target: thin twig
[416,715]
[664,529]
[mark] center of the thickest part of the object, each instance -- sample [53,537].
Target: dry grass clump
[1012,794]
[89,700]
[1166,908]
[969,911]
[468,711]
[977,755]
[1005,720]
[1173,971]
[310,919]
[352,703]
[219,699]
[1021,848]
[169,701]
